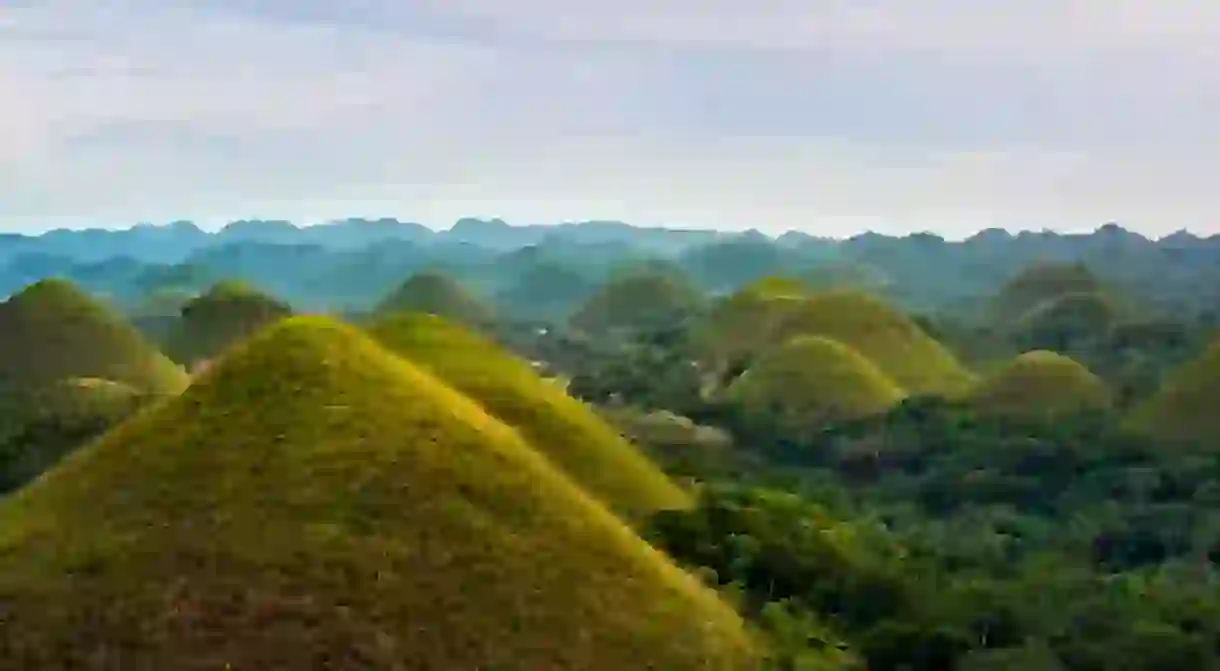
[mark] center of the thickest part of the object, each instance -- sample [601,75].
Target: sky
[828,116]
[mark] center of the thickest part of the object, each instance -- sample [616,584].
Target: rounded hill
[1184,409]
[1038,283]
[638,301]
[1041,385]
[226,313]
[52,331]
[1067,321]
[570,433]
[433,292]
[883,335]
[735,326]
[813,380]
[314,501]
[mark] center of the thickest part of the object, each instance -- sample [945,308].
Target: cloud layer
[826,116]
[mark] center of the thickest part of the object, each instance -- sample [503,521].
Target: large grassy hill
[1038,283]
[436,293]
[52,331]
[883,334]
[812,380]
[1184,409]
[638,301]
[226,313]
[566,430]
[314,501]
[1041,385]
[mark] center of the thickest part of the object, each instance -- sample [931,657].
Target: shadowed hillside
[638,301]
[438,294]
[1038,283]
[883,335]
[1185,407]
[813,380]
[1041,385]
[225,314]
[566,430]
[52,331]
[316,502]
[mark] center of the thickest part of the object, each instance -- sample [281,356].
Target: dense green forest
[592,446]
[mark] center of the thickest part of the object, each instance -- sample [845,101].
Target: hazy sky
[827,116]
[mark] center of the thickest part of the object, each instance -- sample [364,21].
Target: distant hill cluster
[373,445]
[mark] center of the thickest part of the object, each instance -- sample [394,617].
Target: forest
[594,446]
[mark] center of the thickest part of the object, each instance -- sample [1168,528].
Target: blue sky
[825,116]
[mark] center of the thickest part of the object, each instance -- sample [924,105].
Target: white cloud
[768,114]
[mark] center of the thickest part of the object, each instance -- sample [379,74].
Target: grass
[1036,284]
[883,335]
[736,325]
[1184,409]
[638,300]
[1041,385]
[317,502]
[814,380]
[52,331]
[433,292]
[570,433]
[225,314]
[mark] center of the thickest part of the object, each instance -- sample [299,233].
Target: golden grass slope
[317,502]
[567,431]
[1041,385]
[1184,409]
[814,380]
[436,293]
[225,314]
[883,335]
[52,331]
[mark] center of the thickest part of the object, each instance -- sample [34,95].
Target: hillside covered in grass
[1041,385]
[52,331]
[811,381]
[316,502]
[226,313]
[638,301]
[436,293]
[1184,408]
[883,335]
[568,432]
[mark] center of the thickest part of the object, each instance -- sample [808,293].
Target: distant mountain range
[354,261]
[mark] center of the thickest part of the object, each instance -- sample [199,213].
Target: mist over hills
[350,264]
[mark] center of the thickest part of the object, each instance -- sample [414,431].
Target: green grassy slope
[1041,384]
[439,294]
[884,335]
[314,501]
[1184,409]
[52,331]
[226,313]
[813,380]
[1039,283]
[567,431]
[638,301]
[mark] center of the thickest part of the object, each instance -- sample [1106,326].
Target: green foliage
[1041,385]
[227,313]
[1068,322]
[811,381]
[1037,284]
[638,301]
[52,331]
[567,431]
[436,293]
[315,501]
[1185,407]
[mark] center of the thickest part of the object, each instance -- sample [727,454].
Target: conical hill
[814,380]
[225,314]
[313,501]
[436,293]
[52,331]
[1041,385]
[883,335]
[1184,409]
[638,301]
[566,430]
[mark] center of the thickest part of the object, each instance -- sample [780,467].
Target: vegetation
[439,294]
[227,313]
[1185,407]
[315,501]
[567,431]
[52,331]
[812,380]
[884,335]
[1037,284]
[1041,385]
[638,301]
